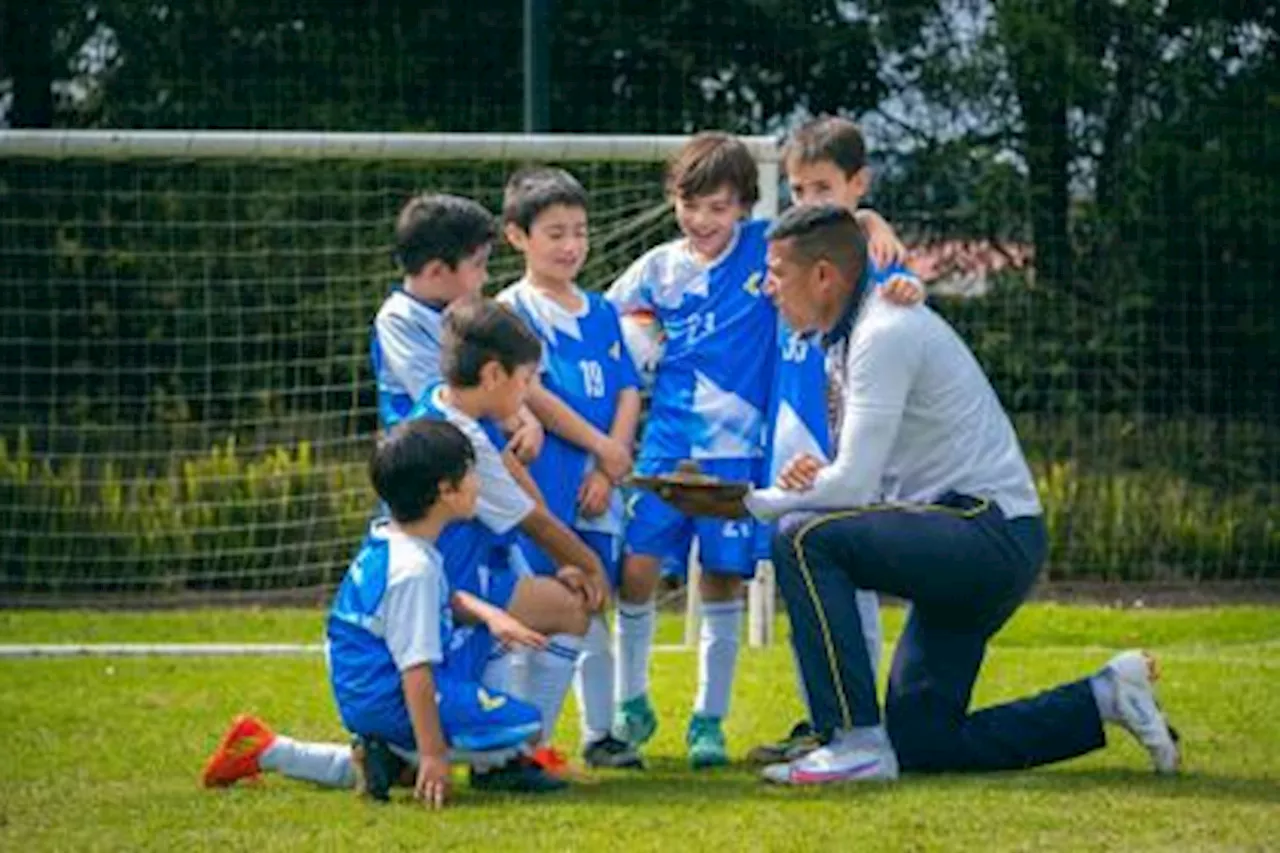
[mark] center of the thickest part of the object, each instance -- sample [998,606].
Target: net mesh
[189,408]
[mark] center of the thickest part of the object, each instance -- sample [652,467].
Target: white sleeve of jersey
[412,357]
[882,362]
[633,290]
[502,504]
[411,618]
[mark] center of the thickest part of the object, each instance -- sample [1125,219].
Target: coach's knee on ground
[924,736]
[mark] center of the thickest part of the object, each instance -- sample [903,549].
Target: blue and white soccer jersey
[710,391]
[586,364]
[469,545]
[404,349]
[390,614]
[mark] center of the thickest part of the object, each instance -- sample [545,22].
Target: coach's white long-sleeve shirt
[919,419]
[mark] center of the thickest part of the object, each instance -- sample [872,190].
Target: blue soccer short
[657,529]
[473,717]
[607,546]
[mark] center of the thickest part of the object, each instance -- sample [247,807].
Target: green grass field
[103,754]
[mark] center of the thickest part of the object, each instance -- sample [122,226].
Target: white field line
[122,650]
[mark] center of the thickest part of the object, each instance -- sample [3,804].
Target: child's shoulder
[660,257]
[400,306]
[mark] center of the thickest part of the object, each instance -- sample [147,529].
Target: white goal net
[186,409]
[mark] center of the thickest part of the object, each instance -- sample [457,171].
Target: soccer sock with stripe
[550,672]
[717,656]
[593,684]
[635,625]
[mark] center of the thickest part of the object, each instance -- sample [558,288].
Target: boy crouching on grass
[406,680]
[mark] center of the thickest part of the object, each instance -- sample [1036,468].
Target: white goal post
[50,149]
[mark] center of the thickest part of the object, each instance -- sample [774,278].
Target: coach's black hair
[825,232]
[478,331]
[532,190]
[413,461]
[440,227]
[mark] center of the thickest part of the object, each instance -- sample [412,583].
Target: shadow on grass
[670,780]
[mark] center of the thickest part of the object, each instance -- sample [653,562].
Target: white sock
[717,656]
[635,625]
[327,764]
[1104,696]
[500,671]
[550,672]
[868,603]
[593,684]
[861,737]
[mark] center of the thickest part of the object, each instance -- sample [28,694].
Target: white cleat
[833,763]
[1133,674]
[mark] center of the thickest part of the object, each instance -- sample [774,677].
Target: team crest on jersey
[752,284]
[615,351]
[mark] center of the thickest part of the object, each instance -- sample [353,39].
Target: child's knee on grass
[640,575]
[713,586]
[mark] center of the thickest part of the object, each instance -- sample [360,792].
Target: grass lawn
[103,754]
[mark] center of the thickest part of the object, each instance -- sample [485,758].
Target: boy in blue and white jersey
[587,366]
[489,361]
[442,243]
[708,404]
[407,682]
[488,358]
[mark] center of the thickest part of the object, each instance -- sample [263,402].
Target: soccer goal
[187,405]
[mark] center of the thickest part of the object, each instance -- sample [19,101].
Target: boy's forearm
[523,478]
[470,609]
[424,714]
[557,417]
[627,418]
[560,543]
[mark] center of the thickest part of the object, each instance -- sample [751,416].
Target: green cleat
[706,743]
[635,721]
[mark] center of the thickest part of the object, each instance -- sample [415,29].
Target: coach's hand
[799,474]
[432,786]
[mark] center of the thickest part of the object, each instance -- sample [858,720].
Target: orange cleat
[238,752]
[555,763]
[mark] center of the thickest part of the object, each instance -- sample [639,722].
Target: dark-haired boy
[407,682]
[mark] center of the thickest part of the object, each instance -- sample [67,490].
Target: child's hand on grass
[594,494]
[433,783]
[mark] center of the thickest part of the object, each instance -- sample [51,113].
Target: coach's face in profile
[803,290]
